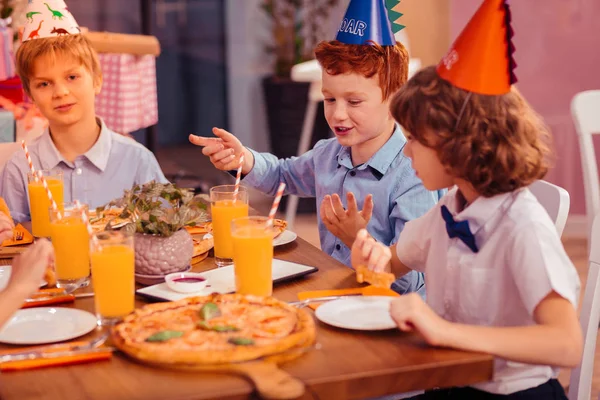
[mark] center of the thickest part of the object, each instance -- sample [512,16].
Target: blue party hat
[366,20]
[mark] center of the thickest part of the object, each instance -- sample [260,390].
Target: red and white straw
[85,218]
[238,179]
[50,197]
[29,160]
[275,205]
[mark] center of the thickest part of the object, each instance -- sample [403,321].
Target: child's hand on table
[411,313]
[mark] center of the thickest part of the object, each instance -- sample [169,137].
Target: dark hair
[499,145]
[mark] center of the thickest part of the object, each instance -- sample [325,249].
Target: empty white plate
[365,313]
[5,271]
[46,325]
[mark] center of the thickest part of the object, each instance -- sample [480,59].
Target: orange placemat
[27,237]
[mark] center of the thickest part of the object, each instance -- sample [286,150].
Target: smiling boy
[62,76]
[360,178]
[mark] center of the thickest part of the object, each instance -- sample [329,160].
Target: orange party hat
[480,60]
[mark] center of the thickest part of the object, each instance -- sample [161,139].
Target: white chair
[585,111]
[555,200]
[580,385]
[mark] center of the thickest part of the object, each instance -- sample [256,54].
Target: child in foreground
[498,278]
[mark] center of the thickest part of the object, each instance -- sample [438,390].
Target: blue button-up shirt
[399,195]
[113,164]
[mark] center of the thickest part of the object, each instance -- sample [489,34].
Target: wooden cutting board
[270,381]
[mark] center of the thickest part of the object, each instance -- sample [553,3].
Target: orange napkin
[45,297]
[96,354]
[27,237]
[364,291]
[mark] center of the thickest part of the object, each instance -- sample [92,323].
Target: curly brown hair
[499,145]
[77,46]
[389,62]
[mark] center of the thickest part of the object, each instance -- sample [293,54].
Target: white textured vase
[157,255]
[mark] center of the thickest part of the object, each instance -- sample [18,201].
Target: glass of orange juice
[253,255]
[224,209]
[38,200]
[71,242]
[113,264]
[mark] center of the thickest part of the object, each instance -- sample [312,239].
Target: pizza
[108,216]
[215,329]
[379,279]
[279,227]
[203,245]
[200,229]
[201,248]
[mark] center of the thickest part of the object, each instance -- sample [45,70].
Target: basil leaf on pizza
[210,311]
[241,341]
[163,336]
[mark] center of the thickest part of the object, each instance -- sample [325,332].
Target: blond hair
[76,46]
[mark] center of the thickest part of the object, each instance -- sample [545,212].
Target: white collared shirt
[520,261]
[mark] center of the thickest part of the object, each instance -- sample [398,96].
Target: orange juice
[223,212]
[113,278]
[39,204]
[71,243]
[252,256]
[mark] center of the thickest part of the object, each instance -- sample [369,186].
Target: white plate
[5,275]
[222,280]
[46,325]
[285,238]
[365,313]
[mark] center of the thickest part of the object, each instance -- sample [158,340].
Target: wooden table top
[346,364]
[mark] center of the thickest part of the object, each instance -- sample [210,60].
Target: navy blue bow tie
[459,229]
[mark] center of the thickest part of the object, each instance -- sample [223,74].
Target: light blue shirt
[399,195]
[113,164]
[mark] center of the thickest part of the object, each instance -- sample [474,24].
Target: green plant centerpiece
[157,215]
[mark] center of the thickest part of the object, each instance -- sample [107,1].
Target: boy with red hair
[361,70]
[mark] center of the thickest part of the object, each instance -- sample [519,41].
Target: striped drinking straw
[50,197]
[238,178]
[29,160]
[88,225]
[275,205]
[85,218]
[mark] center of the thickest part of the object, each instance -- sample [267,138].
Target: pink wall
[558,55]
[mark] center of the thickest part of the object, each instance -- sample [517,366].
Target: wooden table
[347,364]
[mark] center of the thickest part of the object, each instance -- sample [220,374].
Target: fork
[304,303]
[18,235]
[56,349]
